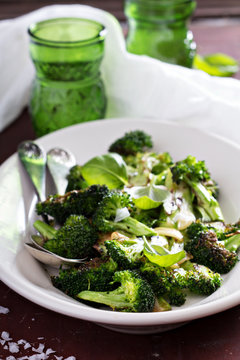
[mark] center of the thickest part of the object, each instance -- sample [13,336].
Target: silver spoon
[34,160]
[47,257]
[59,162]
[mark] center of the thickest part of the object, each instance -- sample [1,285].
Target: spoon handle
[34,160]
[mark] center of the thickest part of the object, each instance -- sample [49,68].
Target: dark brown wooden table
[211,338]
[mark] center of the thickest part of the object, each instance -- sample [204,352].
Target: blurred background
[215,23]
[205,8]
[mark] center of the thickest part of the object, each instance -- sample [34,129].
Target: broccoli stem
[163,305]
[134,227]
[47,231]
[114,299]
[232,243]
[208,202]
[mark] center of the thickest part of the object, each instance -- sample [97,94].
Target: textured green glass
[159,28]
[67,53]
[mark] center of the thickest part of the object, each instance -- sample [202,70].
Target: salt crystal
[27,346]
[5,347]
[39,349]
[10,358]
[4,310]
[13,347]
[70,358]
[50,351]
[21,342]
[41,338]
[38,357]
[23,358]
[5,336]
[2,342]
[58,357]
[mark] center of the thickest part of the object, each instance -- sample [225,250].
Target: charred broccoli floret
[105,217]
[195,174]
[163,283]
[74,240]
[75,179]
[95,275]
[199,278]
[131,143]
[127,253]
[133,295]
[206,249]
[76,202]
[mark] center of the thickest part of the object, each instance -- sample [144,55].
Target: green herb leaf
[216,64]
[108,169]
[165,259]
[148,197]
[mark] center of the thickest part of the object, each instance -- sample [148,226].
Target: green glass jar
[67,53]
[159,28]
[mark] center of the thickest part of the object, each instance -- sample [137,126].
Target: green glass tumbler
[159,28]
[67,89]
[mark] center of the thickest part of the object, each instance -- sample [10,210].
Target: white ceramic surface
[29,278]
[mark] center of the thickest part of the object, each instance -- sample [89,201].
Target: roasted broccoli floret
[150,217]
[74,240]
[133,295]
[131,143]
[75,179]
[199,278]
[126,253]
[76,202]
[195,174]
[203,244]
[105,217]
[164,284]
[95,275]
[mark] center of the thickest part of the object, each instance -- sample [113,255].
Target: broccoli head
[133,295]
[75,179]
[132,143]
[203,245]
[190,169]
[200,279]
[105,217]
[127,254]
[95,275]
[164,284]
[74,240]
[76,202]
[195,174]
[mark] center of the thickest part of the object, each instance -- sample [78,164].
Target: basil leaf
[108,169]
[148,197]
[164,260]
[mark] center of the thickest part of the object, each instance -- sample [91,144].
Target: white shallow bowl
[26,276]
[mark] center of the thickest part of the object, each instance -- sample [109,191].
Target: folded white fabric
[136,86]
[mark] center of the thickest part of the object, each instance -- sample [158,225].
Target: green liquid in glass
[67,89]
[158,28]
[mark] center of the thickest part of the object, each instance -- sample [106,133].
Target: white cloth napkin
[136,86]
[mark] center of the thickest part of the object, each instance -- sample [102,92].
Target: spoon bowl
[48,258]
[34,160]
[59,162]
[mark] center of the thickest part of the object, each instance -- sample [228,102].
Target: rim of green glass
[100,33]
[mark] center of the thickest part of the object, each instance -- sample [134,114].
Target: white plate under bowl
[26,276]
